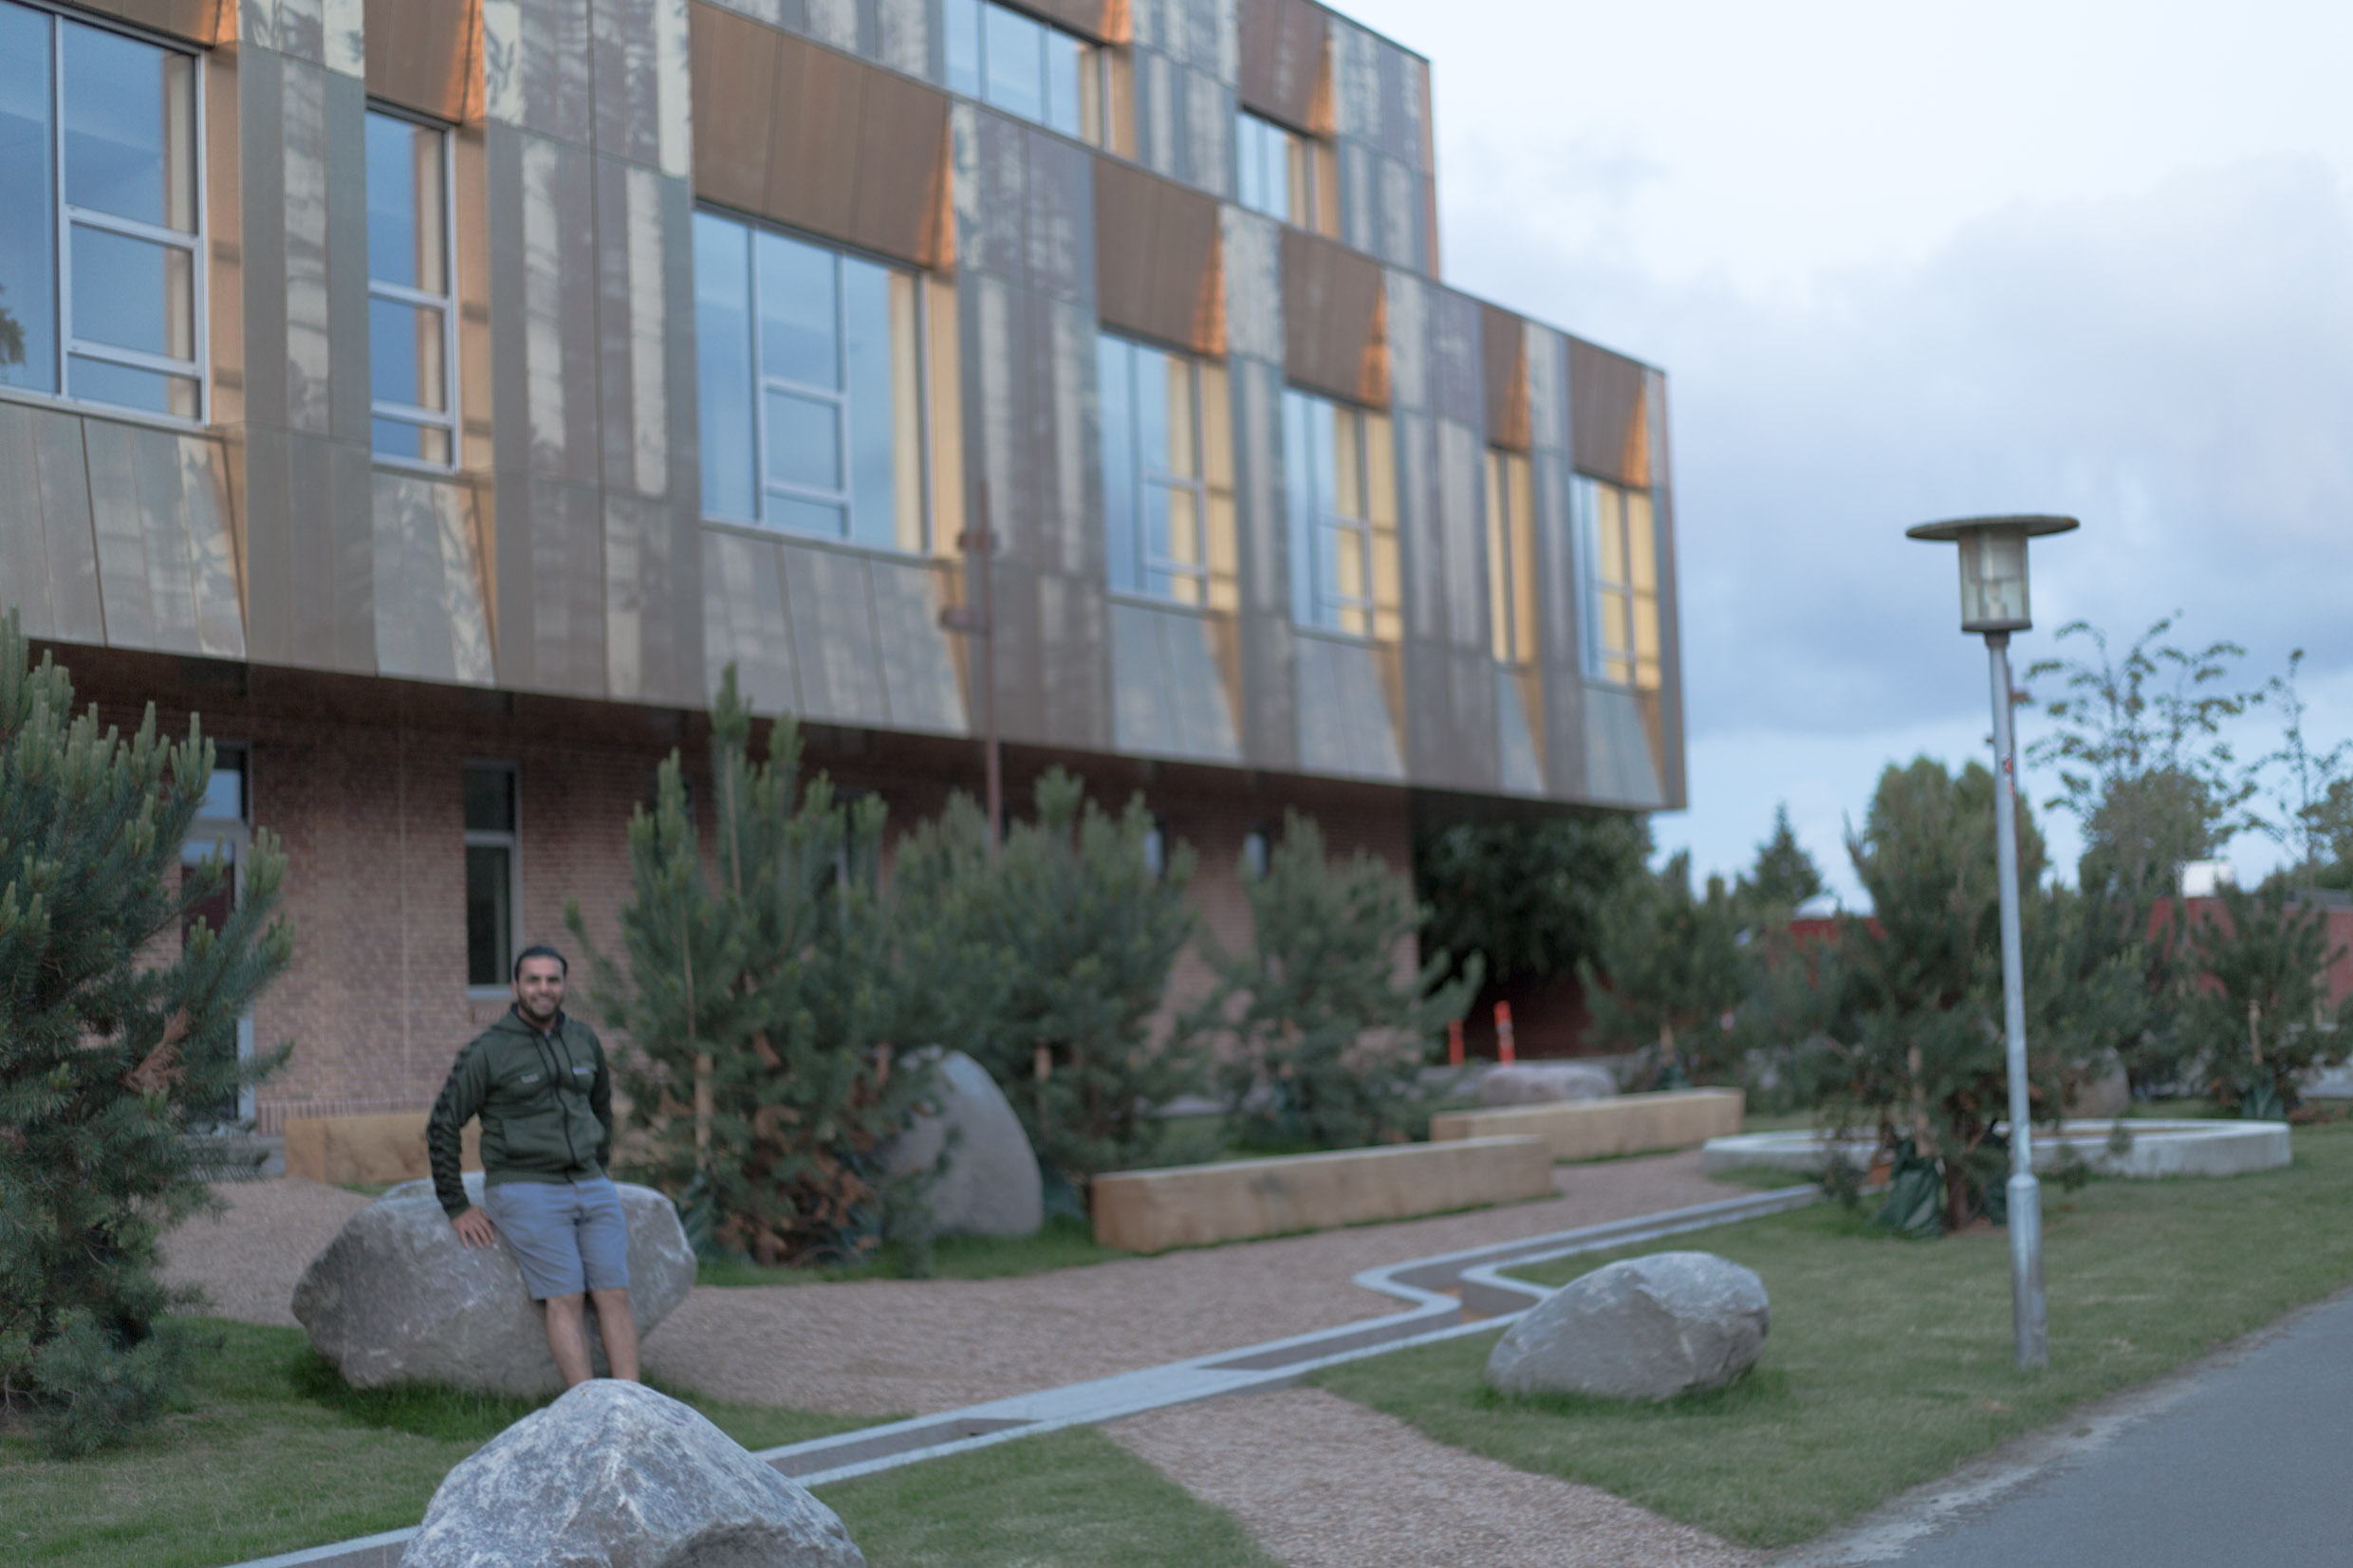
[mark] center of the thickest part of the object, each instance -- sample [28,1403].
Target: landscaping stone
[1542,1082]
[616,1474]
[2105,1097]
[396,1297]
[1646,1328]
[990,1186]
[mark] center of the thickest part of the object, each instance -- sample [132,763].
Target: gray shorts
[567,1236]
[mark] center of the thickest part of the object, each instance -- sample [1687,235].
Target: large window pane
[129,143]
[1112,371]
[1063,56]
[153,392]
[722,366]
[28,237]
[804,441]
[407,350]
[801,516]
[799,336]
[1012,55]
[134,293]
[873,480]
[490,914]
[961,20]
[406,242]
[414,442]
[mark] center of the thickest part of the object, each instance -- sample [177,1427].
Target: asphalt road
[2253,1467]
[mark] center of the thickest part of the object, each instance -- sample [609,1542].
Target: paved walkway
[2247,1461]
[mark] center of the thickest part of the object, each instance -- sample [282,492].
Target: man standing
[538,1080]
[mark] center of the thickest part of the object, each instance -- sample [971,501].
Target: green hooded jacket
[546,1103]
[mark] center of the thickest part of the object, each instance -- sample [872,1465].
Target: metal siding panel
[903,37]
[1520,773]
[1196,689]
[1559,626]
[63,496]
[1360,196]
[624,611]
[1155,113]
[1020,655]
[1400,226]
[465,606]
[1334,319]
[1412,370]
[349,397]
[408,644]
[833,635]
[994,321]
[1462,534]
[1620,767]
[1356,81]
[561,342]
[120,536]
[352,524]
[735,72]
[1068,452]
[1459,382]
[920,685]
[511,330]
[1504,377]
[551,87]
[1208,133]
[625,116]
[748,624]
[834,22]
[1060,188]
[1075,662]
[211,550]
[198,21]
[1608,423]
[1270,720]
[162,513]
[262,198]
[25,583]
[568,551]
[305,305]
[1251,250]
[683,680]
[1422,549]
[1141,716]
[1671,761]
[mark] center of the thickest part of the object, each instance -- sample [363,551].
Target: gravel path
[1327,1484]
[246,1261]
[914,1346]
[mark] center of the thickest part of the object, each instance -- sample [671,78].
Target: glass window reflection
[1341,493]
[1618,554]
[1168,474]
[1018,63]
[28,240]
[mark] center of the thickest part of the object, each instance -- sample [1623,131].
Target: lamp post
[1994,603]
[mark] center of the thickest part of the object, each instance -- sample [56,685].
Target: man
[538,1080]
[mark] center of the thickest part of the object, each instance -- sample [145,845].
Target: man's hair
[540,949]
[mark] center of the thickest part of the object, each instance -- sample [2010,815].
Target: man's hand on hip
[474,1228]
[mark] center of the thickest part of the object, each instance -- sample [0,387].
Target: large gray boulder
[1646,1328]
[990,1186]
[1544,1082]
[616,1475]
[397,1298]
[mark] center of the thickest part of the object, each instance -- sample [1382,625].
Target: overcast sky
[1904,262]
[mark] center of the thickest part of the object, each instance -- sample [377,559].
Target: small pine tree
[1670,973]
[764,1009]
[1784,877]
[1325,1030]
[1082,931]
[106,1050]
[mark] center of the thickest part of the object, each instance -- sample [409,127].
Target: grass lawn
[275,1454]
[1889,1361]
[1064,1241]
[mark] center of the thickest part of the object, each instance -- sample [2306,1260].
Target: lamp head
[1993,565]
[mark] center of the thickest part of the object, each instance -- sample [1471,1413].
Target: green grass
[1889,1361]
[1072,1496]
[1065,1241]
[273,1453]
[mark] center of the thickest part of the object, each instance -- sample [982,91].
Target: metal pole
[2026,1197]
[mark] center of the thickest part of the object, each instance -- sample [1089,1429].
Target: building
[437,395]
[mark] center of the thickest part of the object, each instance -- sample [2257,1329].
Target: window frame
[65,216]
[446,303]
[1206,493]
[1630,668]
[926,479]
[510,841]
[1382,622]
[1094,60]
[1515,617]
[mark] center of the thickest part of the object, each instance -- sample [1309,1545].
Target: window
[1621,561]
[98,258]
[491,875]
[811,384]
[411,317]
[1017,64]
[1511,558]
[1286,174]
[1168,474]
[1340,473]
[1257,853]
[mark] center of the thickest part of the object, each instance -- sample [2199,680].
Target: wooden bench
[1592,1129]
[1197,1205]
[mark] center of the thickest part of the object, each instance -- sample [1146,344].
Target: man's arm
[462,1097]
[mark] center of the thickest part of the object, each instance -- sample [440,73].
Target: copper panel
[1503,354]
[1105,21]
[902,171]
[733,62]
[48,553]
[1609,420]
[197,21]
[1286,71]
[1158,259]
[813,144]
[427,55]
[743,621]
[920,688]
[1335,320]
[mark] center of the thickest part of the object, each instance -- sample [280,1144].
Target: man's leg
[618,1326]
[568,1336]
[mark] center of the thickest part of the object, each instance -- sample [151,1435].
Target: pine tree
[1784,877]
[1082,931]
[107,1046]
[1325,1031]
[1668,971]
[766,1008]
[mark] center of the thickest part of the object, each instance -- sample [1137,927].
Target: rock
[1541,1082]
[613,1473]
[1646,1328]
[990,1186]
[396,1297]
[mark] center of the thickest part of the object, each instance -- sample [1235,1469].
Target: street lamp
[1994,603]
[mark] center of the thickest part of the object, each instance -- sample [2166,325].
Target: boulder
[2104,1095]
[613,1473]
[1646,1328]
[990,1186]
[1542,1082]
[397,1298]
